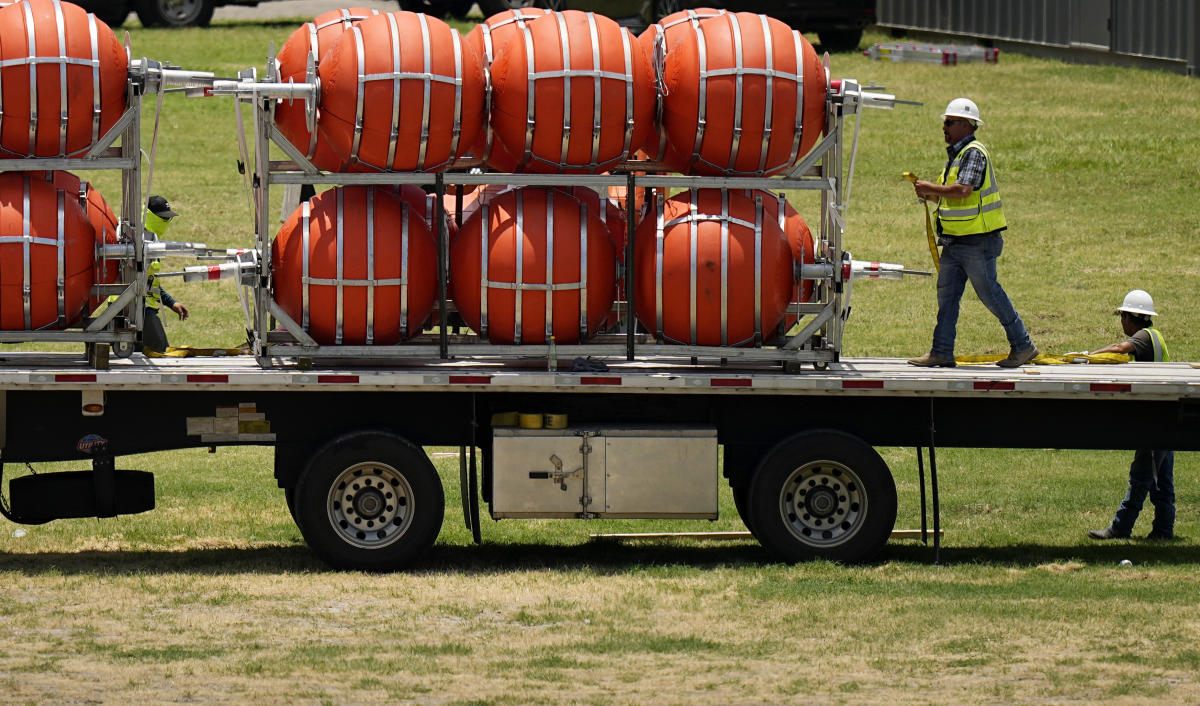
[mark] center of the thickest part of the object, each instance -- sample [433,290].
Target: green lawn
[213,596]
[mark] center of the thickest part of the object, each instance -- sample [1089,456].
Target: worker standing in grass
[1152,471]
[969,223]
[154,337]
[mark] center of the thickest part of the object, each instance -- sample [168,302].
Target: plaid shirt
[972,166]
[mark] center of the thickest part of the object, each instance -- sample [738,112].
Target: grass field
[214,598]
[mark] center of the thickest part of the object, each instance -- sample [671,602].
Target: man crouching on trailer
[154,336]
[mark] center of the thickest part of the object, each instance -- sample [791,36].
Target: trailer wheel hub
[370,505]
[823,503]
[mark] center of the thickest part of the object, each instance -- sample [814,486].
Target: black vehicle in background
[838,23]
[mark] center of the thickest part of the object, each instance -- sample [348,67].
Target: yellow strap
[1050,359]
[929,235]
[933,251]
[192,352]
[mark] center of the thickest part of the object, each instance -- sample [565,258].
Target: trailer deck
[880,377]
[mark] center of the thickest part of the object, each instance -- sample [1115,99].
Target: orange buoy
[62,79]
[47,252]
[713,269]
[656,41]
[315,38]
[743,95]
[800,241]
[572,92]
[487,38]
[356,265]
[104,222]
[400,92]
[531,263]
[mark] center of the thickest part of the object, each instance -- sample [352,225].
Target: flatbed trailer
[637,440]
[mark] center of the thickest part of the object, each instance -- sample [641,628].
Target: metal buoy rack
[117,327]
[815,339]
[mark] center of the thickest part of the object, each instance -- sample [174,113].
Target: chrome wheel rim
[823,503]
[370,505]
[181,10]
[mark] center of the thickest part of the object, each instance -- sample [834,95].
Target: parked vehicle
[838,24]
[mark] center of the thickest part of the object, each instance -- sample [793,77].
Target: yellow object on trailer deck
[933,251]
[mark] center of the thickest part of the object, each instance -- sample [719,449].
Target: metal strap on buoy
[26,239]
[658,61]
[565,74]
[347,20]
[61,61]
[426,76]
[693,219]
[519,286]
[519,18]
[370,282]
[739,71]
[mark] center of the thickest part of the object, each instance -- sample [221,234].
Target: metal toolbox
[609,472]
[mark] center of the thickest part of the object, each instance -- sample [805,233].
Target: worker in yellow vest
[1152,471]
[970,219]
[154,336]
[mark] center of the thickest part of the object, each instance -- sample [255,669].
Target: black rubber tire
[492,7]
[400,490]
[289,496]
[823,494]
[112,14]
[175,13]
[457,9]
[839,40]
[741,501]
[662,8]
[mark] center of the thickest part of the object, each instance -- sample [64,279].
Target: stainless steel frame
[818,339]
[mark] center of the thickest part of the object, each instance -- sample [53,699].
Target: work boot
[1016,359]
[1106,533]
[929,360]
[1160,535]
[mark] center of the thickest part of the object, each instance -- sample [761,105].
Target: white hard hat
[963,108]
[1138,302]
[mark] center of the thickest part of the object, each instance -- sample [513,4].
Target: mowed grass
[213,597]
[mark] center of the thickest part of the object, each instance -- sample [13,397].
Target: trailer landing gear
[823,494]
[370,501]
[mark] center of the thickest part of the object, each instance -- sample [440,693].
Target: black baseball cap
[159,207]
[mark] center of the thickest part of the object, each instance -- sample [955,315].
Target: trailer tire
[370,501]
[823,494]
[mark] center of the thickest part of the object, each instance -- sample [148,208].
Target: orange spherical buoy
[313,38]
[743,95]
[656,41]
[104,222]
[47,252]
[400,92]
[572,92]
[800,241]
[487,38]
[713,269]
[62,79]
[356,265]
[531,263]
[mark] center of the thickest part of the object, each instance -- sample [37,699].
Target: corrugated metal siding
[1159,29]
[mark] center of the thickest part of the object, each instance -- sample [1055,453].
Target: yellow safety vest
[980,211]
[154,288]
[1161,355]
[157,226]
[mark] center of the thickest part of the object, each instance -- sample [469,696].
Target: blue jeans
[1153,473]
[973,257]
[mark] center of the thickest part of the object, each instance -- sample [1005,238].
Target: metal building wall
[1161,30]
